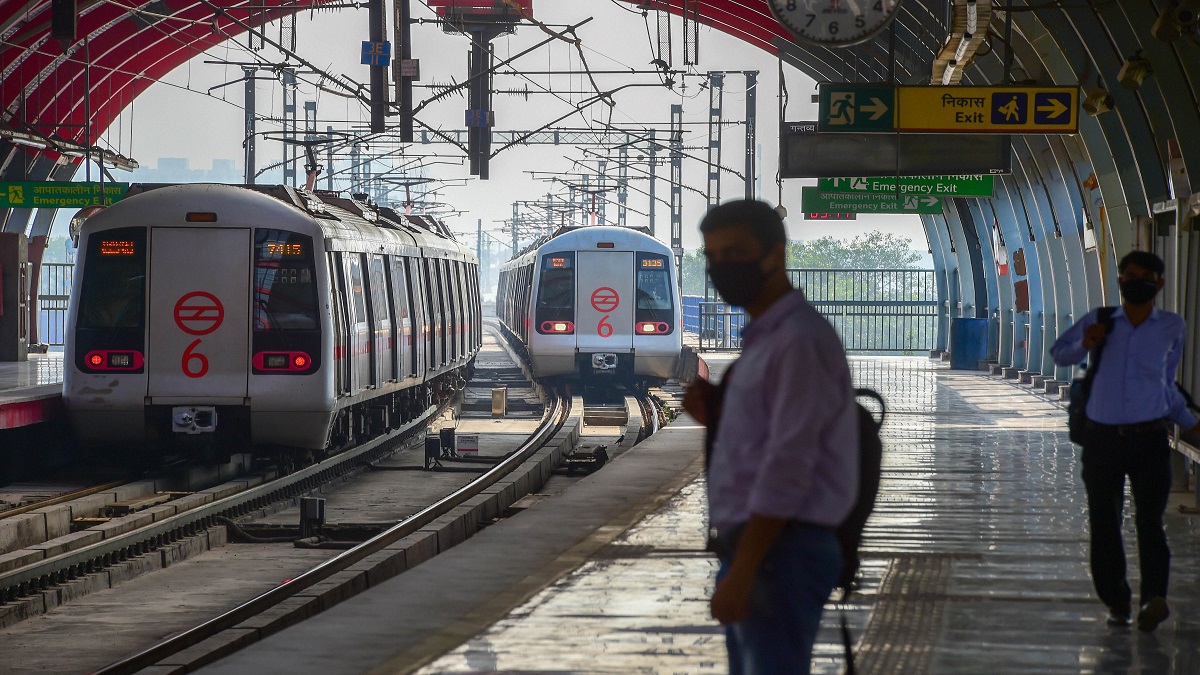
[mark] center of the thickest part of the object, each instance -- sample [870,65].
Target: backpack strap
[872,394]
[1104,315]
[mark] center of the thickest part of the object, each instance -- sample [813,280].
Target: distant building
[179,170]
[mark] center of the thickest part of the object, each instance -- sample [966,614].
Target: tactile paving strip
[907,616]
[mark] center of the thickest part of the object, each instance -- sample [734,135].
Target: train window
[379,301]
[354,267]
[285,285]
[114,282]
[556,289]
[654,290]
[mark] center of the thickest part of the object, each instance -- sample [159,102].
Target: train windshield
[654,288]
[113,293]
[556,289]
[285,284]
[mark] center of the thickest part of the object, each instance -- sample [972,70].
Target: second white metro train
[594,302]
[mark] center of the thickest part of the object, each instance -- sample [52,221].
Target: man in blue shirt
[783,472]
[1132,405]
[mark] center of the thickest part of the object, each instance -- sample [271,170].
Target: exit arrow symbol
[878,108]
[1055,108]
[930,201]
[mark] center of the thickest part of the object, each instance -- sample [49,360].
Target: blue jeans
[790,591]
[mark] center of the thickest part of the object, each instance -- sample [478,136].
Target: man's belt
[1137,429]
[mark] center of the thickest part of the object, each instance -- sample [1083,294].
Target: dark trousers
[1107,459]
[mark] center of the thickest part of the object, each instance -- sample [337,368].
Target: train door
[341,325]
[199,344]
[451,308]
[604,301]
[359,323]
[406,353]
[433,304]
[382,336]
[416,289]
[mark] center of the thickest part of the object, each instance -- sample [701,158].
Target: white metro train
[236,318]
[594,302]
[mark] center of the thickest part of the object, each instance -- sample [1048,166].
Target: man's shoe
[1153,612]
[1119,616]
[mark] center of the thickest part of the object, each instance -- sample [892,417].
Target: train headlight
[652,328]
[557,327]
[282,362]
[106,360]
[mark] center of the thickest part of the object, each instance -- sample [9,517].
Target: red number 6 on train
[197,313]
[189,356]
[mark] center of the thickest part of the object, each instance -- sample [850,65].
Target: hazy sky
[616,39]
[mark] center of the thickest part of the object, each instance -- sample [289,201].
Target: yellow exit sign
[1001,110]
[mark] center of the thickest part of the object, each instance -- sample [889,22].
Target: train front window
[285,284]
[113,294]
[654,296]
[556,290]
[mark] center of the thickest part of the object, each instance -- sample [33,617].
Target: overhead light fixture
[963,44]
[1175,19]
[948,74]
[972,17]
[1097,101]
[1134,71]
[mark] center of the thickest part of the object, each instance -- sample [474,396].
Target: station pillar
[14,297]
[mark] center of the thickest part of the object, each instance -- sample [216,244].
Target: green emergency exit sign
[57,194]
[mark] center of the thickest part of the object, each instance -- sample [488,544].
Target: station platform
[975,561]
[31,391]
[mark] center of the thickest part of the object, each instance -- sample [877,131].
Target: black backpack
[870,458]
[1081,388]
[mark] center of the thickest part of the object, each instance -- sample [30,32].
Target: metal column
[677,188]
[249,142]
[289,126]
[329,160]
[751,128]
[716,99]
[622,184]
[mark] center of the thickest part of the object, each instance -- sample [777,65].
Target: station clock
[834,23]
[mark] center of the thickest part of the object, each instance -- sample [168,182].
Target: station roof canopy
[130,44]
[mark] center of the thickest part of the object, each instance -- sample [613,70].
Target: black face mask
[738,282]
[1139,291]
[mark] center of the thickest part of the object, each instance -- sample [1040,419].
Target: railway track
[116,546]
[557,411]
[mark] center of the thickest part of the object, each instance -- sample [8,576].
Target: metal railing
[873,311]
[54,291]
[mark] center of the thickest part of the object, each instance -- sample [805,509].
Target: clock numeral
[833,28]
[859,21]
[791,6]
[811,18]
[878,6]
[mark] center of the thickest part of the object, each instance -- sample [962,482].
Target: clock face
[834,23]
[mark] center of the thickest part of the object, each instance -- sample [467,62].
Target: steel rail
[73,564]
[65,497]
[555,416]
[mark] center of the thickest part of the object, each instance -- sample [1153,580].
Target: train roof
[340,221]
[587,237]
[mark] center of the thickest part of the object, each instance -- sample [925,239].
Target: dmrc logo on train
[605,299]
[199,313]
